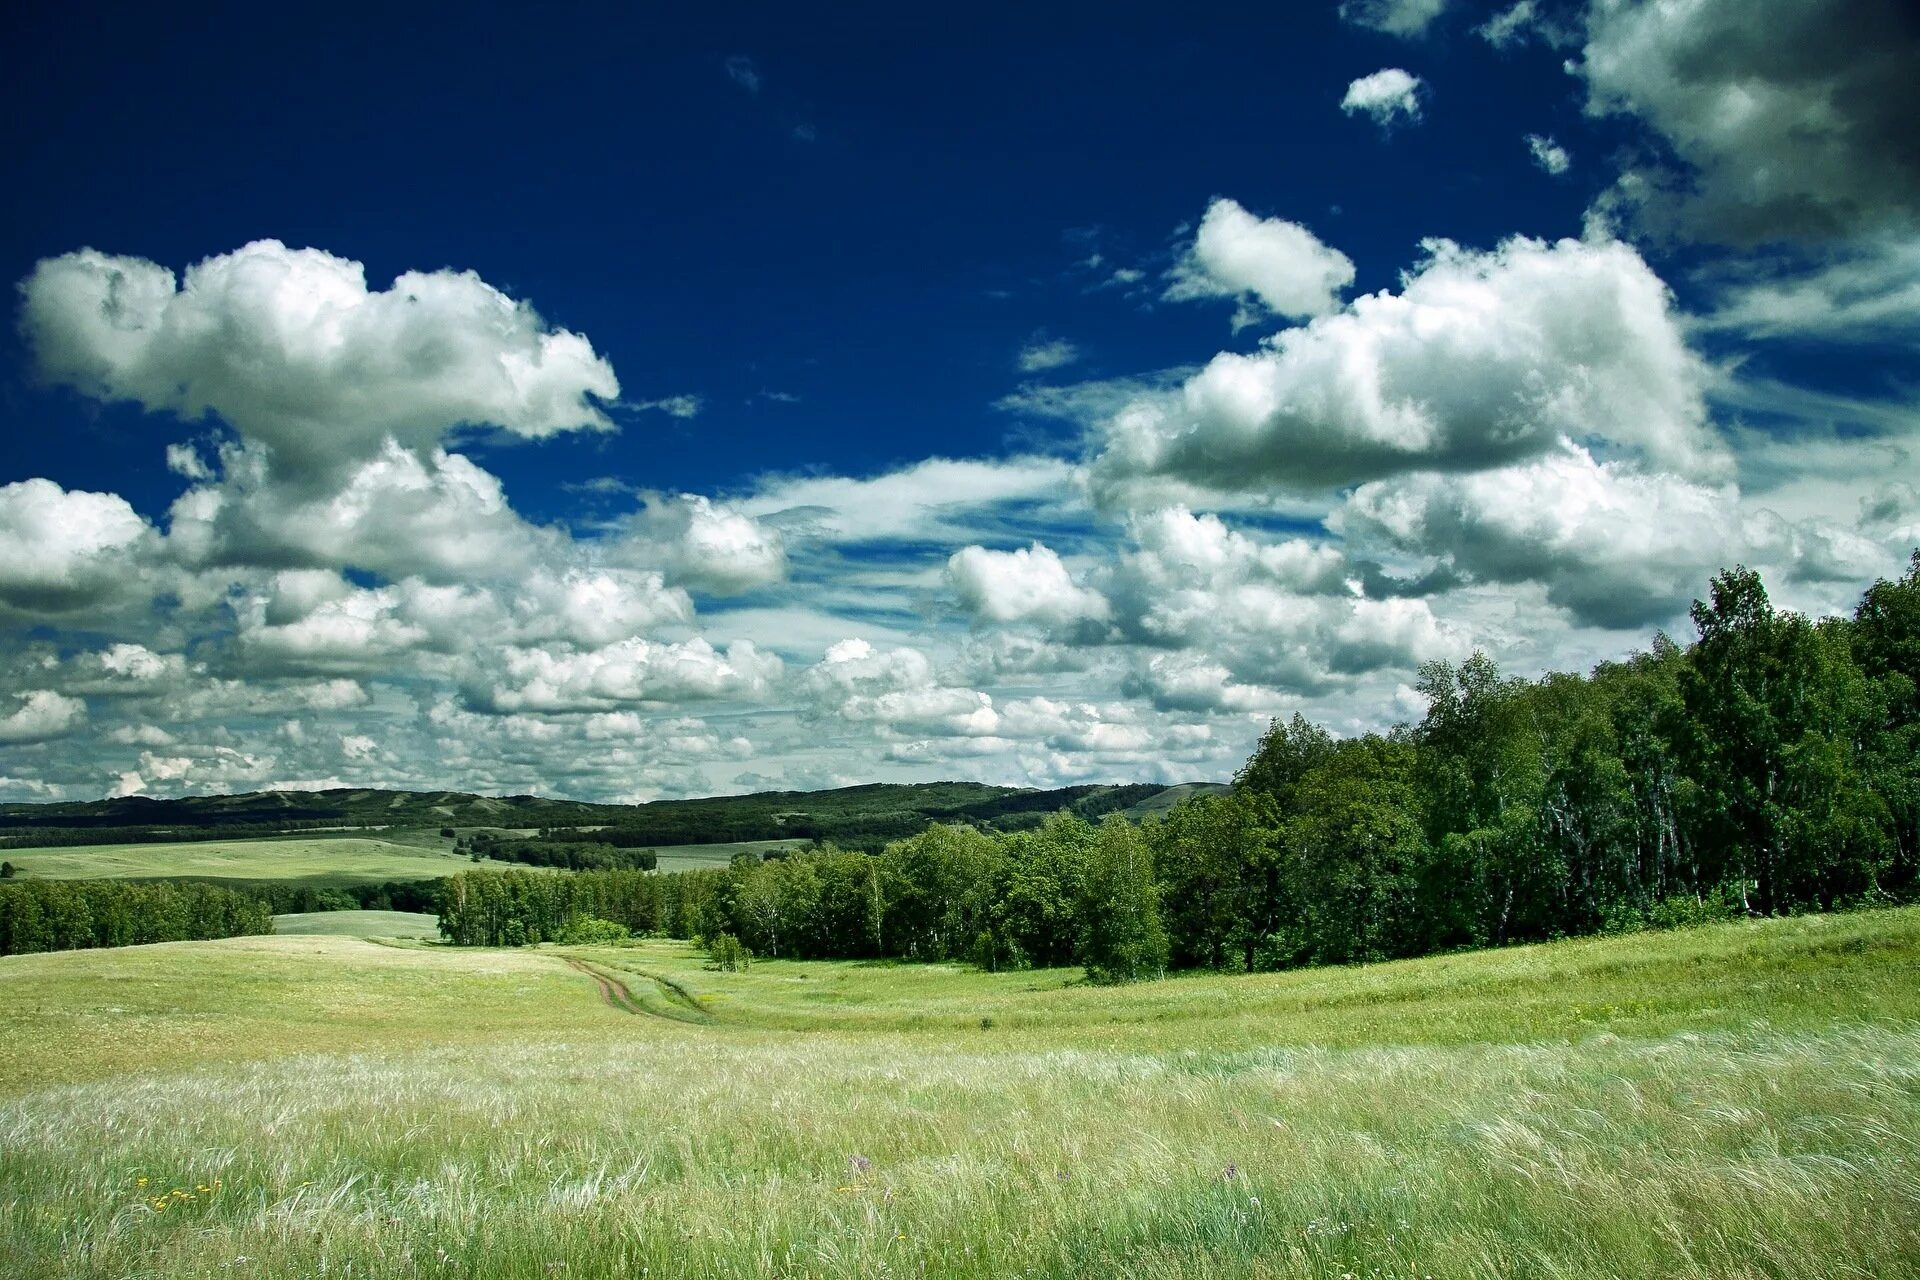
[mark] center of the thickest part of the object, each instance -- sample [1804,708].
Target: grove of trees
[1771,767]
[64,915]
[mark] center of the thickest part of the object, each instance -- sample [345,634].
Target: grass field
[1739,1101]
[331,860]
[358,924]
[691,857]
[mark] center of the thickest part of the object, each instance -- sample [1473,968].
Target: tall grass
[1546,1112]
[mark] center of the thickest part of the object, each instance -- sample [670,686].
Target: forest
[1769,768]
[63,915]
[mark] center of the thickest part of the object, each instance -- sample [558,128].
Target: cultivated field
[334,860]
[1740,1101]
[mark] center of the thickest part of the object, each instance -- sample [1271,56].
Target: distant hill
[863,816]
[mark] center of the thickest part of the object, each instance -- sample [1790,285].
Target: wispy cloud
[743,72]
[1044,353]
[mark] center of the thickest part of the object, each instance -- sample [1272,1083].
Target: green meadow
[322,860]
[693,857]
[358,924]
[1740,1101]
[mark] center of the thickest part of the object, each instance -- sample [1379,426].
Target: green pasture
[358,924]
[693,857]
[1740,1101]
[324,860]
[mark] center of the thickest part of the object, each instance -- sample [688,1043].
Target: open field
[1739,1101]
[324,860]
[692,857]
[358,924]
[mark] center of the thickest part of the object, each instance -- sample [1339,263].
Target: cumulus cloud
[701,544]
[63,551]
[896,691]
[291,348]
[396,513]
[1194,682]
[1481,360]
[315,622]
[1614,545]
[1277,265]
[1029,584]
[1548,154]
[1386,96]
[1782,119]
[1287,615]
[1008,656]
[629,672]
[40,715]
[1405,18]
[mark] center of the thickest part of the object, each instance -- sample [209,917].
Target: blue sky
[1031,396]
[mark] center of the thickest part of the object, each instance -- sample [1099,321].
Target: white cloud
[1280,264]
[1028,584]
[396,513]
[701,544]
[1869,292]
[62,551]
[994,657]
[1386,95]
[1548,154]
[1193,682]
[1616,546]
[855,666]
[1043,353]
[627,673]
[1788,119]
[1523,21]
[1405,18]
[682,407]
[40,715]
[1481,360]
[896,691]
[940,498]
[292,349]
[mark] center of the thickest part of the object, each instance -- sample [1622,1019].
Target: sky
[636,404]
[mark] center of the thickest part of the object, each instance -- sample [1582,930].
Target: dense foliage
[286,896]
[65,915]
[570,854]
[1770,769]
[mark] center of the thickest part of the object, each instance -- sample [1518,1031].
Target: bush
[1684,912]
[591,931]
[728,955]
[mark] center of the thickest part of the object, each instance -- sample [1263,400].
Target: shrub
[587,931]
[728,954]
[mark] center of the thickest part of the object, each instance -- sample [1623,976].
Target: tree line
[1068,892]
[64,915]
[1771,767]
[574,854]
[17,832]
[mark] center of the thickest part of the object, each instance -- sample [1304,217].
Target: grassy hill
[854,816]
[322,860]
[1736,1101]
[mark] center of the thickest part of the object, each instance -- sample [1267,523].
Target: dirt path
[613,992]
